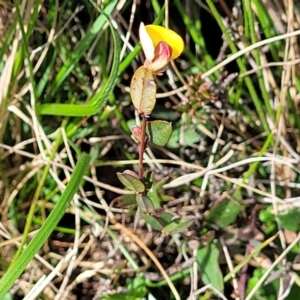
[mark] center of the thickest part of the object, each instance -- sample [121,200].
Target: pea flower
[160,45]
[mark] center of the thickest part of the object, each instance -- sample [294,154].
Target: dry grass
[237,174]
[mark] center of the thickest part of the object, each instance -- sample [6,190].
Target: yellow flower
[160,45]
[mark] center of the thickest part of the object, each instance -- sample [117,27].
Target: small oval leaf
[159,132]
[145,204]
[143,90]
[225,212]
[131,181]
[208,261]
[153,222]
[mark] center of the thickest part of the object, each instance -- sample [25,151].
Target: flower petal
[158,34]
[163,54]
[147,42]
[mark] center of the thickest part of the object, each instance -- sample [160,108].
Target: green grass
[228,180]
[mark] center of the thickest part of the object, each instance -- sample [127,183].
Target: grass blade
[49,225]
[97,101]
[82,46]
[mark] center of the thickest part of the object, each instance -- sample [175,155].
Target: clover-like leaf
[159,132]
[131,181]
[143,90]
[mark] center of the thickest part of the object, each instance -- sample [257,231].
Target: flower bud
[162,57]
[160,45]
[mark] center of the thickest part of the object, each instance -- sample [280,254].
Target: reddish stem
[142,146]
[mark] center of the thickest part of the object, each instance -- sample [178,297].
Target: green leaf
[66,110]
[49,225]
[189,137]
[159,132]
[290,219]
[225,212]
[178,225]
[166,218]
[153,222]
[158,223]
[152,189]
[208,261]
[131,181]
[145,204]
[266,291]
[267,217]
[153,195]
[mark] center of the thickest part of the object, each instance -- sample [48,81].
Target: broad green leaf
[131,181]
[143,90]
[159,132]
[290,219]
[208,261]
[177,226]
[225,212]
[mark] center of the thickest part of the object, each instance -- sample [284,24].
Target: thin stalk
[142,146]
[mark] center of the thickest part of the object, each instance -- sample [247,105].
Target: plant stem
[142,146]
